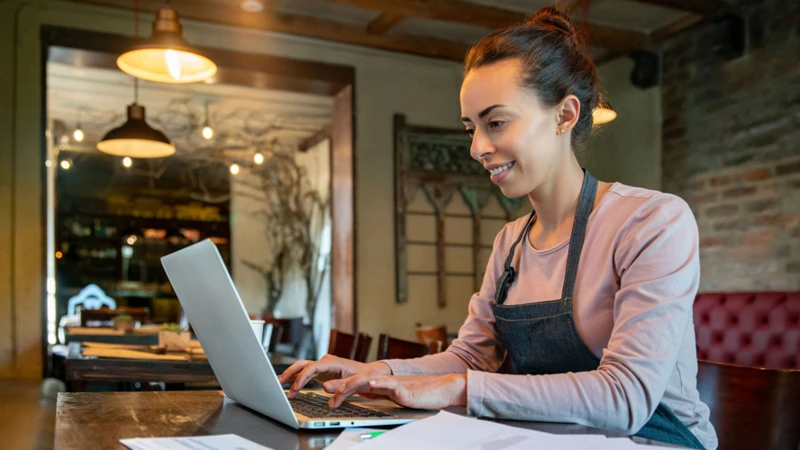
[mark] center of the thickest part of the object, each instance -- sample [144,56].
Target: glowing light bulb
[131,240]
[258,158]
[173,64]
[253,6]
[78,135]
[234,169]
[66,165]
[48,163]
[127,162]
[208,132]
[127,251]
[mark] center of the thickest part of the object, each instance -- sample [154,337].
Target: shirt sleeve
[478,346]
[656,258]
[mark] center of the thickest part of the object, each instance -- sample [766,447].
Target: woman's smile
[500,171]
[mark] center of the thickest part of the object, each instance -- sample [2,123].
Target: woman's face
[513,135]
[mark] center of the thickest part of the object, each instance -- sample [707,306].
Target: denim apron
[541,337]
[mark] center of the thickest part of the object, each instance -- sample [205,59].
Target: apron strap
[509,274]
[584,210]
[585,204]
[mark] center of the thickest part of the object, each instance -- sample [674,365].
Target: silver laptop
[239,361]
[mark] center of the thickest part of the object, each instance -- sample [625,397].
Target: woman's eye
[495,123]
[470,132]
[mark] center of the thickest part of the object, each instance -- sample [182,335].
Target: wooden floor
[28,414]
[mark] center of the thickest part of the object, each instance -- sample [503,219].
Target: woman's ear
[568,113]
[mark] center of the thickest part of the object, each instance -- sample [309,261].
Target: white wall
[425,90]
[627,149]
[250,244]
[248,235]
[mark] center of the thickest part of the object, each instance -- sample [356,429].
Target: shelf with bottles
[77,226]
[109,227]
[144,209]
[68,251]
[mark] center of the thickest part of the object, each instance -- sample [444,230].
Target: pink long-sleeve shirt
[637,278]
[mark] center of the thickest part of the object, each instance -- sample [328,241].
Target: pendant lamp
[602,115]
[166,57]
[135,138]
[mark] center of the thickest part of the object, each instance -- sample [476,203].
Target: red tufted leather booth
[760,329]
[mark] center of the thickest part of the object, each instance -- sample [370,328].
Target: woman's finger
[390,383]
[391,387]
[332,386]
[293,370]
[350,386]
[308,373]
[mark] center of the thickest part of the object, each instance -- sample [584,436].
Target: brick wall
[731,148]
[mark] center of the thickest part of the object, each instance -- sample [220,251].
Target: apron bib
[541,337]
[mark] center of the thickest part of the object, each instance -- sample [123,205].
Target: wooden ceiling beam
[384,23]
[461,11]
[447,10]
[676,27]
[271,20]
[617,40]
[701,7]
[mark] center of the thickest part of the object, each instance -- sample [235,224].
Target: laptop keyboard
[316,406]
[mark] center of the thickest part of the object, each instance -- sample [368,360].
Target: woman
[616,349]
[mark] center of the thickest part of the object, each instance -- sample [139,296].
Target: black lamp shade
[135,138]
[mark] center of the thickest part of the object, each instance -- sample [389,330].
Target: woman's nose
[481,147]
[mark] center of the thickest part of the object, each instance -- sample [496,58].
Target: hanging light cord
[136,36]
[136,19]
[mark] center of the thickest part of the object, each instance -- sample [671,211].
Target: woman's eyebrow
[483,113]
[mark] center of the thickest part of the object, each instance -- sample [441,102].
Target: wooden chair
[345,345]
[342,344]
[363,345]
[427,334]
[105,316]
[752,407]
[393,348]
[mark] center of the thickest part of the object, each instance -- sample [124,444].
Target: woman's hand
[423,392]
[329,367]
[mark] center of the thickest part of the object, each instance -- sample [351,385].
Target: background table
[142,336]
[99,420]
[80,369]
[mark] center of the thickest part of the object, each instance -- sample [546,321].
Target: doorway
[108,220]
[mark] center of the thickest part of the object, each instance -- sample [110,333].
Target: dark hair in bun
[555,62]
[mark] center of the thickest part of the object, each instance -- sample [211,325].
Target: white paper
[653,447]
[614,444]
[349,438]
[447,431]
[217,442]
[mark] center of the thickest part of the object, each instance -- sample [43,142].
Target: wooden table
[99,420]
[80,369]
[142,336]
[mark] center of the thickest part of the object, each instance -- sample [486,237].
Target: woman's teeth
[501,169]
